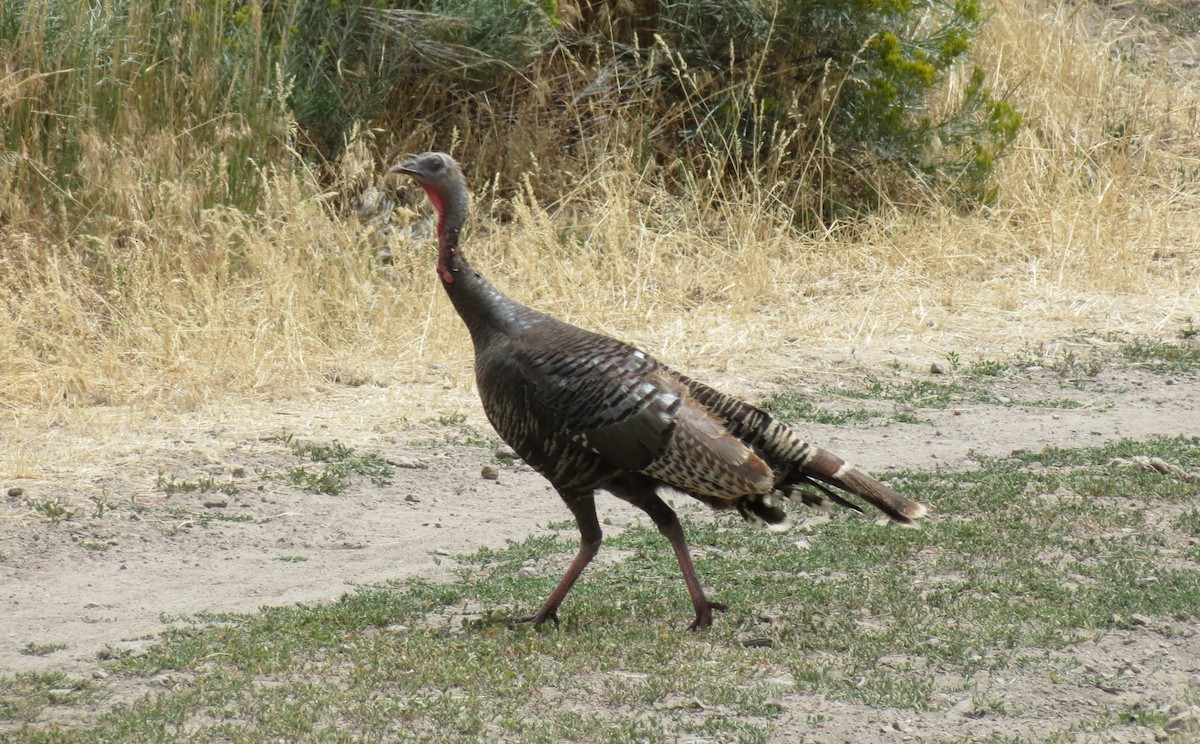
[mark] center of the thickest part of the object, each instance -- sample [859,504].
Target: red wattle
[435,196]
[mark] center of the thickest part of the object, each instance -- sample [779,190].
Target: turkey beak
[407,167]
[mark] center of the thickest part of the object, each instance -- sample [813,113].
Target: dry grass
[1098,227]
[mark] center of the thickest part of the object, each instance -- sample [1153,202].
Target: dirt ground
[133,558]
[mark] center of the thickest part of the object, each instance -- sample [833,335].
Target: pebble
[937,368]
[403,461]
[617,521]
[15,493]
[132,649]
[773,619]
[215,502]
[964,708]
[60,695]
[526,572]
[412,499]
[1189,720]
[504,452]
[490,472]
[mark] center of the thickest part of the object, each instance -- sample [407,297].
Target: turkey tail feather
[831,469]
[833,496]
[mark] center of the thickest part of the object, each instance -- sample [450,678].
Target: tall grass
[160,241]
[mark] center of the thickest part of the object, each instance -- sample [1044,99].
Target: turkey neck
[485,309]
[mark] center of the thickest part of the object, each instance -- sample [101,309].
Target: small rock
[617,521]
[526,572]
[802,544]
[442,552]
[937,368]
[132,649]
[1139,620]
[1003,400]
[774,619]
[758,643]
[1186,721]
[59,695]
[1018,451]
[490,472]
[215,502]
[504,452]
[403,461]
[15,493]
[238,473]
[99,674]
[964,708]
[412,499]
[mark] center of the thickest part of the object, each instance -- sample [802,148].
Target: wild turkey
[589,412]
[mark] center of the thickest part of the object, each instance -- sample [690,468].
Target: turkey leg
[644,496]
[584,509]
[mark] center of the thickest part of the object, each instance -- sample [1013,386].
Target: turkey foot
[537,619]
[704,615]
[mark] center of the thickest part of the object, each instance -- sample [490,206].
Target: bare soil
[132,558]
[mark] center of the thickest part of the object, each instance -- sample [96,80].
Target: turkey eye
[433,164]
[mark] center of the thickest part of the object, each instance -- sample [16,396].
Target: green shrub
[847,95]
[840,92]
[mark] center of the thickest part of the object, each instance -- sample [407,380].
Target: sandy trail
[94,581]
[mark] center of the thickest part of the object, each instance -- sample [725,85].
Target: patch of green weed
[338,464]
[55,509]
[169,485]
[41,649]
[1164,357]
[794,407]
[24,695]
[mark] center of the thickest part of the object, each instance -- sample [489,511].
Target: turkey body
[592,413]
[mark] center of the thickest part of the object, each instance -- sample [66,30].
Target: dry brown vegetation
[1097,226]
